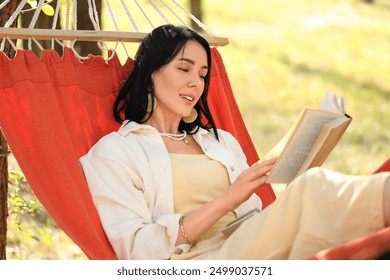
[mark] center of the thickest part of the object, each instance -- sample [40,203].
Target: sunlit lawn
[287,54]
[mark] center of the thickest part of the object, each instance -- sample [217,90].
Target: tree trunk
[6,12]
[196,10]
[84,23]
[83,48]
[44,22]
[3,195]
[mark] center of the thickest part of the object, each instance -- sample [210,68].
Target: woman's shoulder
[225,133]
[120,142]
[106,146]
[230,142]
[224,137]
[227,137]
[109,139]
[129,131]
[210,133]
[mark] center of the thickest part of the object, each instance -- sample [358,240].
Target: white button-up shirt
[130,179]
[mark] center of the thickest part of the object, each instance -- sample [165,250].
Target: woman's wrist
[196,223]
[184,233]
[229,201]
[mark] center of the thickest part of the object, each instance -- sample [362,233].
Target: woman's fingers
[250,180]
[267,162]
[260,169]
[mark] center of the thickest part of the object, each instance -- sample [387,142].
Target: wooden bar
[88,35]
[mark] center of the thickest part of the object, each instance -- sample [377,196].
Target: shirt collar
[130,126]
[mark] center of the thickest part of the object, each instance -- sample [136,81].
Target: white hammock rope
[114,22]
[74,10]
[2,46]
[70,33]
[54,25]
[56,14]
[2,5]
[93,15]
[145,15]
[38,10]
[159,11]
[9,23]
[15,14]
[174,13]
[124,6]
[34,19]
[197,21]
[111,13]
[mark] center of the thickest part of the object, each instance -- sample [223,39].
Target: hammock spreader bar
[87,35]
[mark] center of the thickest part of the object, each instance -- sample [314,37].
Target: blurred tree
[3,195]
[196,10]
[84,23]
[6,13]
[44,22]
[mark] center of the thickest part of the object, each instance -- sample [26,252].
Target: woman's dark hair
[156,50]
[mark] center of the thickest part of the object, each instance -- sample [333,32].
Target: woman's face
[179,84]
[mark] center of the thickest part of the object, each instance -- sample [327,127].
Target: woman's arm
[200,220]
[120,182]
[243,187]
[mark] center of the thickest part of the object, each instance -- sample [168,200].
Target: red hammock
[54,109]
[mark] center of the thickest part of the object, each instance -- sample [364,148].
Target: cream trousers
[318,210]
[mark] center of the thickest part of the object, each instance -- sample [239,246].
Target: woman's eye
[184,69]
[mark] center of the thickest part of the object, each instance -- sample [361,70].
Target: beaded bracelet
[193,243]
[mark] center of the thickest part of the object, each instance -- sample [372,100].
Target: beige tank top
[197,179]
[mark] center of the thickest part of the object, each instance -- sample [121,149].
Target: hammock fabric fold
[52,110]
[55,108]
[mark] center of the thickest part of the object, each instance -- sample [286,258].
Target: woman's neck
[164,125]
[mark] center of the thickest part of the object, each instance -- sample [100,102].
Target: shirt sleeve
[116,179]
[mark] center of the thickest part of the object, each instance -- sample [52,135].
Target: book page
[333,104]
[299,146]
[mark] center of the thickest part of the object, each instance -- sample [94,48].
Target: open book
[310,141]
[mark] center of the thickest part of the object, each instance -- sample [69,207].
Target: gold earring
[149,108]
[191,117]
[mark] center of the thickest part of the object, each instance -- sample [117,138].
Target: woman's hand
[248,181]
[200,220]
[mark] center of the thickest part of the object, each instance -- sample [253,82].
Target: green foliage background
[282,55]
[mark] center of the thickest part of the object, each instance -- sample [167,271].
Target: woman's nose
[195,81]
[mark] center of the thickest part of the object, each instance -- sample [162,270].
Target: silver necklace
[176,137]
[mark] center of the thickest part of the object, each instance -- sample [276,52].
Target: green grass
[282,56]
[285,55]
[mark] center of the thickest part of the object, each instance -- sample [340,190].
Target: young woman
[168,181]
